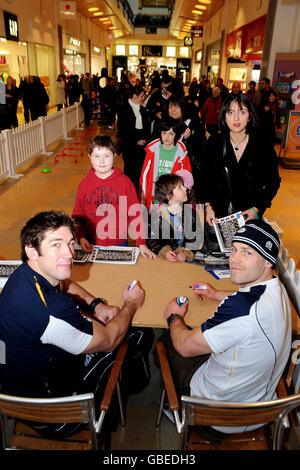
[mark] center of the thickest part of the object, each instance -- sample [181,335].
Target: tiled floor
[36,191]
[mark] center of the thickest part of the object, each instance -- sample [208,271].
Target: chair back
[72,409]
[76,408]
[201,411]
[206,412]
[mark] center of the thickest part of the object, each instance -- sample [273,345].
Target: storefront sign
[96,50]
[69,52]
[183,64]
[75,42]
[11,26]
[255,35]
[247,40]
[188,41]
[197,31]
[155,51]
[234,44]
[67,10]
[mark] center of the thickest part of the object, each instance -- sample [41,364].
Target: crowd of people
[187,160]
[33,95]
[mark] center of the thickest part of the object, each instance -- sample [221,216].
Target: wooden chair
[204,412]
[72,409]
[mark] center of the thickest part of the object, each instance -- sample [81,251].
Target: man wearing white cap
[238,354]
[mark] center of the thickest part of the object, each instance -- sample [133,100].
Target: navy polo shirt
[43,333]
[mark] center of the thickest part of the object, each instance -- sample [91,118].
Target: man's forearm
[188,343]
[107,338]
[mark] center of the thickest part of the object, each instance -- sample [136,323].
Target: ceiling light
[98,13]
[196,12]
[200,7]
[191,21]
[104,19]
[93,9]
[208,2]
[106,22]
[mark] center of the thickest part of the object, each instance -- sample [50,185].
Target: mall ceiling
[186,13]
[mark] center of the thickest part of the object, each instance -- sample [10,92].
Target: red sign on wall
[249,39]
[197,31]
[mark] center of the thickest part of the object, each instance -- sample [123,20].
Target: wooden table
[161,280]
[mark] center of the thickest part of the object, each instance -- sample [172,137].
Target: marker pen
[198,287]
[132,285]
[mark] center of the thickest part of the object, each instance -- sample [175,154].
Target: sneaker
[111,127]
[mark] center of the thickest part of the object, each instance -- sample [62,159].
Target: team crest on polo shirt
[241,230]
[269,245]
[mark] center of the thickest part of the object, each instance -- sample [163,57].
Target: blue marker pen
[199,287]
[132,285]
[211,272]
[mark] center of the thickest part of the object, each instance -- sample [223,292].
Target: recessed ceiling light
[104,18]
[208,2]
[93,9]
[200,7]
[98,13]
[196,12]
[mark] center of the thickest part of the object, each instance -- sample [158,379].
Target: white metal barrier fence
[19,145]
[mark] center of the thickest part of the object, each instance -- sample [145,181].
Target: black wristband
[173,317]
[94,304]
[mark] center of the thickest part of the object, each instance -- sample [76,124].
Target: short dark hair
[177,125]
[33,233]
[136,90]
[178,99]
[101,141]
[164,186]
[266,79]
[242,100]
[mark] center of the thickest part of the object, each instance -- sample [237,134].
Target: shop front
[244,48]
[19,58]
[13,60]
[97,59]
[74,52]
[13,52]
[213,61]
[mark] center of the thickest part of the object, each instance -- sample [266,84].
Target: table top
[161,280]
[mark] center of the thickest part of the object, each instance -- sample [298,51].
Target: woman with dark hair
[12,99]
[241,169]
[133,133]
[270,117]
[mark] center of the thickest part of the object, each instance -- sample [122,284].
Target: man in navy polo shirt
[238,354]
[48,345]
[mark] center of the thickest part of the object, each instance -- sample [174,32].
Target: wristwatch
[173,317]
[94,304]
